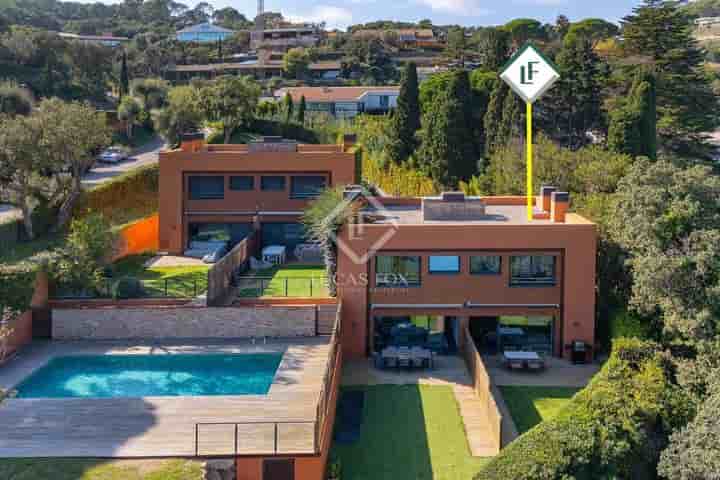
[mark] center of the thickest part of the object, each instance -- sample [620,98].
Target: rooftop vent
[453,207]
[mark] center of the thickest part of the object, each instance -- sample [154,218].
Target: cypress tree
[288,106]
[124,77]
[633,126]
[493,116]
[511,120]
[301,110]
[406,117]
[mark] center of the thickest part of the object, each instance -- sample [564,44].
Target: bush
[9,232]
[624,323]
[614,428]
[127,287]
[124,199]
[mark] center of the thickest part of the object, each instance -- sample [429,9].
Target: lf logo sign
[530,74]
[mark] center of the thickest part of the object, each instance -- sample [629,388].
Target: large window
[306,186]
[531,333]
[218,232]
[272,183]
[391,271]
[242,183]
[485,265]
[206,187]
[532,270]
[444,264]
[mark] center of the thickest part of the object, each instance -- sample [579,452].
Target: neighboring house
[284,37]
[218,192]
[344,102]
[707,22]
[203,32]
[405,37]
[447,262]
[259,69]
[107,39]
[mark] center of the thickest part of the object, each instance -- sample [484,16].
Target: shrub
[624,323]
[125,198]
[9,232]
[614,428]
[127,287]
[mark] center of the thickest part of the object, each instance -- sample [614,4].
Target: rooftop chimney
[349,140]
[192,142]
[453,207]
[546,197]
[559,203]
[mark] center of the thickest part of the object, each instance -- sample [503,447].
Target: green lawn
[409,432]
[181,281]
[93,469]
[531,405]
[285,281]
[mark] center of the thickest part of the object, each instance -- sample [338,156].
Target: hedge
[627,324]
[614,428]
[124,199]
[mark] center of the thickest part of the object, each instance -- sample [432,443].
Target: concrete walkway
[559,373]
[449,371]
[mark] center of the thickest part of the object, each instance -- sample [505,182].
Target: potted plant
[334,469]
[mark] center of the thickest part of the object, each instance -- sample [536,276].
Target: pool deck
[166,426]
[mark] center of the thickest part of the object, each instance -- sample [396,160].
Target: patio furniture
[309,252]
[256,264]
[422,357]
[516,360]
[274,254]
[404,358]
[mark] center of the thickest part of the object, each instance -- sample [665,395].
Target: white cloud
[458,7]
[334,17]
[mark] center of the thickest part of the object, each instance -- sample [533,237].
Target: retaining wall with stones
[183,322]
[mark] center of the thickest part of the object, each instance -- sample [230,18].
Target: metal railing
[258,286]
[161,288]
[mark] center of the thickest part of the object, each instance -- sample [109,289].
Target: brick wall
[183,322]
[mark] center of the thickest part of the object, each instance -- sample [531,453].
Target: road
[144,155]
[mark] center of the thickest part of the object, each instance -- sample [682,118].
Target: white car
[113,155]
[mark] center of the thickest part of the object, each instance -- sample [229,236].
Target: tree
[593,29]
[456,49]
[152,91]
[288,107]
[77,135]
[230,100]
[87,251]
[493,118]
[129,111]
[14,100]
[494,47]
[633,124]
[576,99]
[406,117]
[661,35]
[21,165]
[301,110]
[182,113]
[522,30]
[296,62]
[124,76]
[668,220]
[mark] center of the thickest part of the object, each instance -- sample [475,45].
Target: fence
[220,276]
[265,286]
[160,288]
[483,389]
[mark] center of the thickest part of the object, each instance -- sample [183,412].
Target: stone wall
[183,322]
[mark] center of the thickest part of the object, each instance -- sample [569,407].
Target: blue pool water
[107,376]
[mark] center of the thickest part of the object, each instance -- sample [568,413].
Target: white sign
[530,74]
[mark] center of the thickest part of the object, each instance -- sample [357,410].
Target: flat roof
[494,215]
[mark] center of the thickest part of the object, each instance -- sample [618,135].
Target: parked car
[113,155]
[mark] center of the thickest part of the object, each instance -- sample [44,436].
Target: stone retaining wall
[183,322]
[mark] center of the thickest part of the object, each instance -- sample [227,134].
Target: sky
[341,13]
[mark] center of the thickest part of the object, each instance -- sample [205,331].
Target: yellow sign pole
[529,140]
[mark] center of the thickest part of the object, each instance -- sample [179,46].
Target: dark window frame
[550,281]
[301,196]
[383,284]
[264,187]
[196,196]
[445,272]
[499,270]
[251,187]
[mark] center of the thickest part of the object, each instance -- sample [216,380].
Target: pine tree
[686,105]
[288,107]
[493,117]
[301,110]
[124,77]
[406,117]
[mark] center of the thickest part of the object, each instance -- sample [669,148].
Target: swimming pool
[171,375]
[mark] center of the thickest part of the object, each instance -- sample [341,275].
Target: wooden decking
[166,426]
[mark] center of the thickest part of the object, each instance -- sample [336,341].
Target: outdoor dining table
[393,353]
[274,254]
[522,356]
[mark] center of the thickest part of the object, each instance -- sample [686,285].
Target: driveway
[145,155]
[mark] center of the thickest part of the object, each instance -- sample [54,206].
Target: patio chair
[420,357]
[404,358]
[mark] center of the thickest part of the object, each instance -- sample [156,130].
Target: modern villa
[344,102]
[203,33]
[251,376]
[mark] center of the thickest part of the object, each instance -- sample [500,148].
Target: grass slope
[532,405]
[182,281]
[93,469]
[409,432]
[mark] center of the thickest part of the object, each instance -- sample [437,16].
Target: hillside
[703,8]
